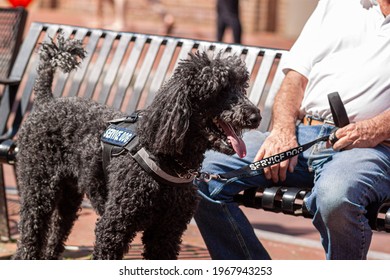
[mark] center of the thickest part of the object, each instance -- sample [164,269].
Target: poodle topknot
[202,106]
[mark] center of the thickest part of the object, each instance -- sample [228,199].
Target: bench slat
[112,71]
[161,71]
[251,58]
[204,46]
[262,76]
[98,67]
[267,109]
[143,75]
[237,50]
[186,48]
[80,74]
[129,71]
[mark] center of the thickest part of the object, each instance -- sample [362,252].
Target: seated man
[343,47]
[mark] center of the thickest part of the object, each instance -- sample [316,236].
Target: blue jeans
[344,183]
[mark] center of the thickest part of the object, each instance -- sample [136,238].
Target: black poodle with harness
[143,179]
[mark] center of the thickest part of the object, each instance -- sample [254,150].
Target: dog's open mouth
[232,137]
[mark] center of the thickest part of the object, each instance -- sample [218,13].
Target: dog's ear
[210,76]
[171,120]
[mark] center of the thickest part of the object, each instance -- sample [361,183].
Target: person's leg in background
[235,22]
[228,16]
[221,24]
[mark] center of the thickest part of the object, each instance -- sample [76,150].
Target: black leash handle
[340,117]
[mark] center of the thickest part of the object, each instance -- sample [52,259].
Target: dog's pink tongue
[237,143]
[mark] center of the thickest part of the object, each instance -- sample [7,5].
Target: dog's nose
[255,119]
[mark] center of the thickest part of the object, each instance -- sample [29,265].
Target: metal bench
[125,70]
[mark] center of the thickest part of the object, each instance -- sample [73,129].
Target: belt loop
[309,119]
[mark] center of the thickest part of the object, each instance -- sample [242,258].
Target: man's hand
[275,143]
[363,134]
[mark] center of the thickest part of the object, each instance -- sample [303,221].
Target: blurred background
[280,19]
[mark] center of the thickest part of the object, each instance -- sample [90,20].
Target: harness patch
[118,136]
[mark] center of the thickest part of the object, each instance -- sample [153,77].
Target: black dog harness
[121,137]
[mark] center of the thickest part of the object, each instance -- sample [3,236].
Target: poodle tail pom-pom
[65,54]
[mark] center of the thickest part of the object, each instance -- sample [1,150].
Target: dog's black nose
[255,119]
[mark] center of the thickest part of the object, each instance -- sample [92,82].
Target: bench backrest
[125,70]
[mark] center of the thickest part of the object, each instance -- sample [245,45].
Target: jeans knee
[338,203]
[331,209]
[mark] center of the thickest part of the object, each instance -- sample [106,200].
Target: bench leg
[4,225]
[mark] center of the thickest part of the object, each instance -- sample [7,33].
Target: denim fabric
[344,183]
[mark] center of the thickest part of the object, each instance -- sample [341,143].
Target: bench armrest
[8,151]
[9,82]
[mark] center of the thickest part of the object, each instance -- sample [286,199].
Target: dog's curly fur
[60,156]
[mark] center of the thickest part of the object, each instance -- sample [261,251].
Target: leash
[254,168]
[340,119]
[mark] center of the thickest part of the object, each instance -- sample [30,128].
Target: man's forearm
[288,101]
[282,137]
[382,126]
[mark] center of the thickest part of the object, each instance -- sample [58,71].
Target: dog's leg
[117,227]
[114,232]
[163,239]
[63,219]
[112,238]
[37,205]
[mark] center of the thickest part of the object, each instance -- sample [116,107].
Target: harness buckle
[132,118]
[207,177]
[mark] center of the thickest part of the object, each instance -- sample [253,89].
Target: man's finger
[292,163]
[284,165]
[259,155]
[275,173]
[343,144]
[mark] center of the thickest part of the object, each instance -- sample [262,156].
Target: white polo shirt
[344,47]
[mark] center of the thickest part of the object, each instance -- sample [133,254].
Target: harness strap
[109,150]
[143,158]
